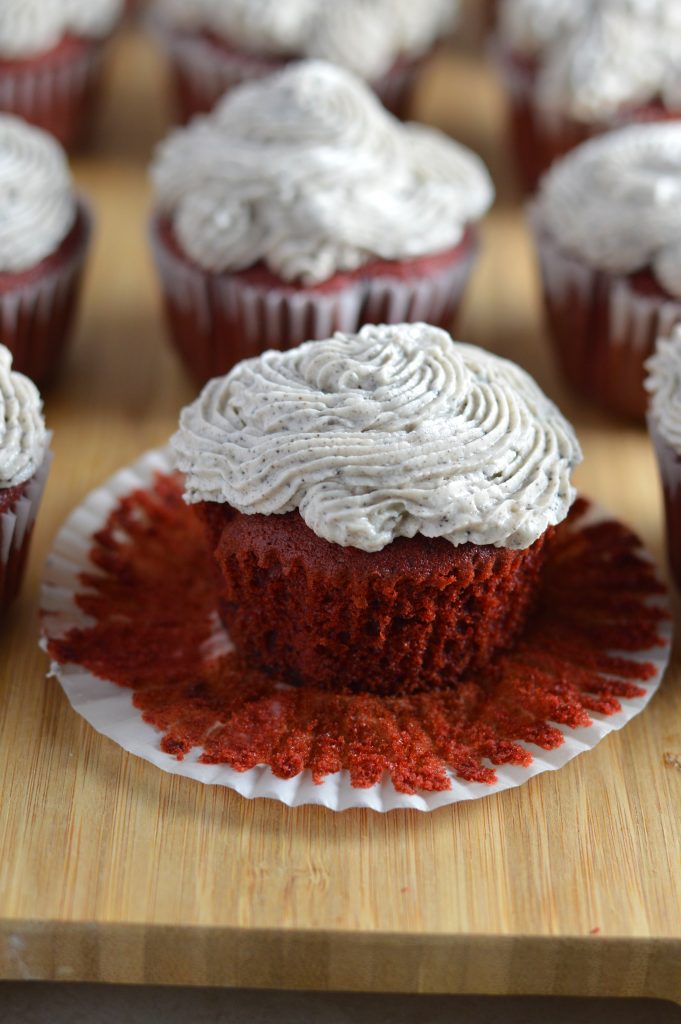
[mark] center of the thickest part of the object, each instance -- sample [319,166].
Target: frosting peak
[23,438]
[29,27]
[308,172]
[37,200]
[615,201]
[391,432]
[366,36]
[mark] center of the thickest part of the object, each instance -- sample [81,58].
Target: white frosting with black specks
[30,27]
[392,432]
[615,202]
[308,172]
[23,438]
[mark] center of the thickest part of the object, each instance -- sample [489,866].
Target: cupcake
[377,505]
[577,68]
[50,59]
[214,45]
[44,236]
[24,465]
[300,207]
[607,221]
[664,422]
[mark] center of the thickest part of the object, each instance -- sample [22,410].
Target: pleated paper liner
[16,530]
[129,619]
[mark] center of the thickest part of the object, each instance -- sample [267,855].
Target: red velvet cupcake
[301,207]
[24,465]
[214,45]
[577,68]
[50,61]
[44,238]
[664,422]
[377,505]
[608,228]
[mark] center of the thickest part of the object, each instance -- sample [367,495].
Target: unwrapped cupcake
[214,45]
[300,207]
[24,465]
[377,504]
[664,421]
[50,61]
[576,68]
[607,221]
[44,235]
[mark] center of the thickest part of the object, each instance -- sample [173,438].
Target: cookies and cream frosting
[529,27]
[23,438]
[308,172]
[37,201]
[366,36]
[29,27]
[664,385]
[392,432]
[615,202]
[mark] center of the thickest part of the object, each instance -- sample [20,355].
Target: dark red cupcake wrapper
[16,530]
[215,320]
[37,312]
[602,326]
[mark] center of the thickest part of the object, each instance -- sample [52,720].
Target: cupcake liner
[669,465]
[37,316]
[110,710]
[216,320]
[603,328]
[16,529]
[57,94]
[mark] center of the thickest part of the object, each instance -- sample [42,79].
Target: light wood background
[112,870]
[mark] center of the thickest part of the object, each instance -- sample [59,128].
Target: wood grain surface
[112,870]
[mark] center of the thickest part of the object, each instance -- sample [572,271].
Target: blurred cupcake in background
[607,221]
[299,207]
[577,68]
[44,237]
[24,465]
[50,60]
[214,45]
[664,421]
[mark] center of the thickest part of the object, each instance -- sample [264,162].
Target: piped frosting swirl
[391,432]
[615,202]
[29,27]
[37,201]
[365,36]
[307,171]
[23,438]
[664,386]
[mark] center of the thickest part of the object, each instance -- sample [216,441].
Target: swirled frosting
[366,36]
[529,27]
[664,386]
[29,27]
[615,202]
[308,172]
[387,433]
[23,438]
[37,201]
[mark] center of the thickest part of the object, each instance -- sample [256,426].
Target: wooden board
[112,870]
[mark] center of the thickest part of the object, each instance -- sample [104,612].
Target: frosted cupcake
[607,220]
[50,60]
[300,207]
[377,504]
[24,465]
[664,422]
[44,237]
[214,45]
[576,68]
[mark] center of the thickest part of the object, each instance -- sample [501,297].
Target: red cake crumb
[153,613]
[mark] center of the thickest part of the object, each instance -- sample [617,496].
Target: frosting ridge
[37,202]
[308,172]
[391,432]
[29,27]
[615,201]
[23,438]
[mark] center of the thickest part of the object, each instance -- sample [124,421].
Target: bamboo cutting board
[111,870]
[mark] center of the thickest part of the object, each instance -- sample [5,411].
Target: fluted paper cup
[16,529]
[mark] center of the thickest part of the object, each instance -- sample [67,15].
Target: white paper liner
[36,317]
[248,319]
[15,528]
[109,709]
